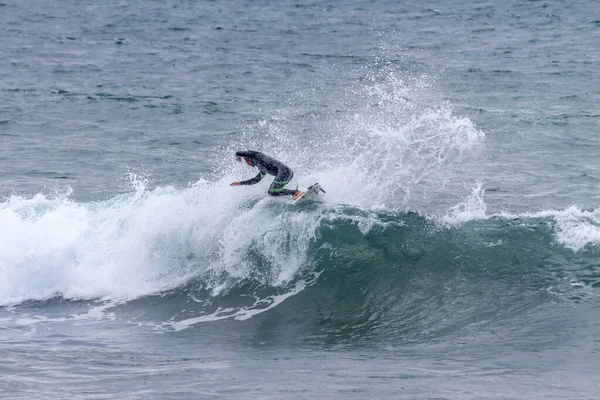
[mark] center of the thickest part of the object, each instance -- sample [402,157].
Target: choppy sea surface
[455,255]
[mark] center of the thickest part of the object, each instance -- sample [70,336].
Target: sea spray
[389,141]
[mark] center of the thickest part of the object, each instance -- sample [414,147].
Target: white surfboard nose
[310,192]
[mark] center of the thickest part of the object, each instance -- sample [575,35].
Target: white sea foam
[470,208]
[574,228]
[133,244]
[260,305]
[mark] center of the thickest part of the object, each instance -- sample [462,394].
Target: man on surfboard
[268,165]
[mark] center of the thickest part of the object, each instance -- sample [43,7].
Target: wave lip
[576,229]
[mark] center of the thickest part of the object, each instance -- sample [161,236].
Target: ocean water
[455,255]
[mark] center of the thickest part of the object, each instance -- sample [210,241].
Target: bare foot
[297,194]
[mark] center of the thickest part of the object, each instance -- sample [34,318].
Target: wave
[574,227]
[359,260]
[347,270]
[392,142]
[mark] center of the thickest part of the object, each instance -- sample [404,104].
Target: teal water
[454,255]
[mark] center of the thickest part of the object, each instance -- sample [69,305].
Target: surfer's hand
[235,184]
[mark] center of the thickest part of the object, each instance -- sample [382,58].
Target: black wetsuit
[268,165]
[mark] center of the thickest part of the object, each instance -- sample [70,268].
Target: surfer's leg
[284,177]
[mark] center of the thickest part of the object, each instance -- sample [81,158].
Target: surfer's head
[248,160]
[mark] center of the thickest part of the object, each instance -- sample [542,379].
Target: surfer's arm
[254,180]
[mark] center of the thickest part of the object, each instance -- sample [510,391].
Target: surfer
[268,165]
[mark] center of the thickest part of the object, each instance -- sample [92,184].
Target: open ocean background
[456,254]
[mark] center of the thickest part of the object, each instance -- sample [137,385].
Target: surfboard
[310,193]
